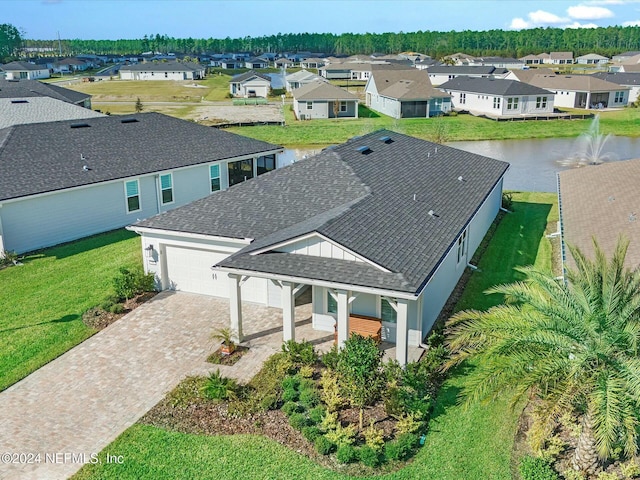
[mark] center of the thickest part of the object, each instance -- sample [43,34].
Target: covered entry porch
[336,322]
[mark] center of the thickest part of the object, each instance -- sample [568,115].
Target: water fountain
[589,147]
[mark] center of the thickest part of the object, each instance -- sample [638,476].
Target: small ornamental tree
[139,106]
[360,372]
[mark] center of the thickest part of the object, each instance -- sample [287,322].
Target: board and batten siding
[318,247]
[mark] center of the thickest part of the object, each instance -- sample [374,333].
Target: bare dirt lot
[220,114]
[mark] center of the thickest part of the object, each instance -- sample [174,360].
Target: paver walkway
[73,407]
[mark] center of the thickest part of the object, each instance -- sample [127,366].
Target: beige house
[323,100]
[582,91]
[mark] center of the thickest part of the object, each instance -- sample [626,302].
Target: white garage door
[189,270]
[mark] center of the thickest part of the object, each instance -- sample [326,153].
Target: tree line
[508,43]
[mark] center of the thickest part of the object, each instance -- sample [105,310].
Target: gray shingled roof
[34,88]
[375,204]
[40,109]
[247,75]
[320,90]
[20,66]
[162,67]
[467,70]
[619,78]
[44,157]
[492,86]
[581,83]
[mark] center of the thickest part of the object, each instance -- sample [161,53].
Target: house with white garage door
[380,228]
[60,181]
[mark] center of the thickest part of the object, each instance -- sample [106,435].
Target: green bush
[116,308]
[8,257]
[299,353]
[289,408]
[311,433]
[298,421]
[535,468]
[323,445]
[306,371]
[129,283]
[309,398]
[306,384]
[218,387]
[316,414]
[401,448]
[290,395]
[507,200]
[106,305]
[374,437]
[269,402]
[369,456]
[291,382]
[330,359]
[346,454]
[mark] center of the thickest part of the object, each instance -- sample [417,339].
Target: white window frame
[463,98]
[496,102]
[173,197]
[393,322]
[343,106]
[309,105]
[512,103]
[462,245]
[127,196]
[211,178]
[541,102]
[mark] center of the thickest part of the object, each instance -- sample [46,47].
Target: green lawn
[317,133]
[473,443]
[43,300]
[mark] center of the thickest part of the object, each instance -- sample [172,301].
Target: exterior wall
[318,247]
[31,74]
[141,75]
[322,109]
[335,74]
[260,86]
[484,103]
[565,98]
[437,291]
[634,93]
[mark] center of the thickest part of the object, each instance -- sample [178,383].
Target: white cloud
[519,24]
[586,12]
[611,2]
[631,23]
[542,17]
[580,25]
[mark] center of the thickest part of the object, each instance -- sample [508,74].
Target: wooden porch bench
[365,326]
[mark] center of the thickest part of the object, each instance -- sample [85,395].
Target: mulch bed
[219,358]
[99,319]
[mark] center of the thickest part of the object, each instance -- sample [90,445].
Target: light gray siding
[322,109]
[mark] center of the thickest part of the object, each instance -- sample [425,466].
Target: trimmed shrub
[330,393]
[298,421]
[374,437]
[330,359]
[306,371]
[342,435]
[311,433]
[408,424]
[401,448]
[309,398]
[289,408]
[323,445]
[128,283]
[306,384]
[218,387]
[316,414]
[290,395]
[301,353]
[346,454]
[116,308]
[368,456]
[535,468]
[269,402]
[290,382]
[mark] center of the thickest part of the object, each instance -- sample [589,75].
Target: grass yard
[319,133]
[473,443]
[43,300]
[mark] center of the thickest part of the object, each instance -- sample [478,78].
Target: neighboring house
[559,58]
[256,63]
[69,65]
[582,91]
[163,71]
[440,74]
[592,59]
[628,65]
[300,78]
[24,70]
[20,111]
[250,84]
[231,64]
[497,62]
[32,88]
[624,56]
[627,80]
[284,63]
[60,181]
[383,225]
[424,63]
[528,74]
[405,94]
[601,202]
[358,70]
[498,97]
[312,63]
[323,100]
[532,59]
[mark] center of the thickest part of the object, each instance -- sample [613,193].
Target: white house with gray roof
[439,74]
[20,111]
[628,80]
[20,89]
[250,84]
[162,71]
[323,100]
[60,181]
[382,226]
[24,71]
[498,97]
[582,91]
[300,79]
[405,94]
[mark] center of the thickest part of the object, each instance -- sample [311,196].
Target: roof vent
[433,214]
[79,125]
[19,101]
[386,139]
[85,168]
[461,179]
[129,120]
[364,150]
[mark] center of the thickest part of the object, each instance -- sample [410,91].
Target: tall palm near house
[574,346]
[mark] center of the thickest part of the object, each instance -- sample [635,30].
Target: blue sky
[113,19]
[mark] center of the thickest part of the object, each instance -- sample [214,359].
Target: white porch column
[1,234]
[402,332]
[288,312]
[343,317]
[588,106]
[235,306]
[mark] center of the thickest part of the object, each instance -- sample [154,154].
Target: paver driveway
[80,402]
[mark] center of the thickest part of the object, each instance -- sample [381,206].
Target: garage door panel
[189,270]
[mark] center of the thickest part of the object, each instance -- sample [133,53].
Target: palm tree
[573,345]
